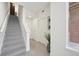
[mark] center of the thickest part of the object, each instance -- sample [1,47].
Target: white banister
[27,37]
[25,29]
[2,31]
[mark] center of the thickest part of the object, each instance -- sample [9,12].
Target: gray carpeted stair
[13,44]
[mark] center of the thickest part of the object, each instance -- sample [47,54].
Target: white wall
[4,14]
[20,11]
[58,32]
[4,8]
[38,26]
[16,8]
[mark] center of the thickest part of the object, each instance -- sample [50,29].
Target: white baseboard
[43,40]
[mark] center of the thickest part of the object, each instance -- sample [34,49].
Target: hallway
[26,31]
[13,44]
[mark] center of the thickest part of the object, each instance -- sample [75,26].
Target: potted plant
[48,38]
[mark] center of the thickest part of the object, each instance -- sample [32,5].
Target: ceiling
[34,9]
[35,6]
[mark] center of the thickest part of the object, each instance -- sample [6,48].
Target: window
[73,27]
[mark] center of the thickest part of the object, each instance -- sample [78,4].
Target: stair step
[13,44]
[12,41]
[13,29]
[19,53]
[13,36]
[14,47]
[14,51]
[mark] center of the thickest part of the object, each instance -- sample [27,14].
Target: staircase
[13,44]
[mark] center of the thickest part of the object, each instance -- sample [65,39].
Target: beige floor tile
[38,49]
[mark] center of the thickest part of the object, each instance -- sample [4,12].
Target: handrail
[24,32]
[2,23]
